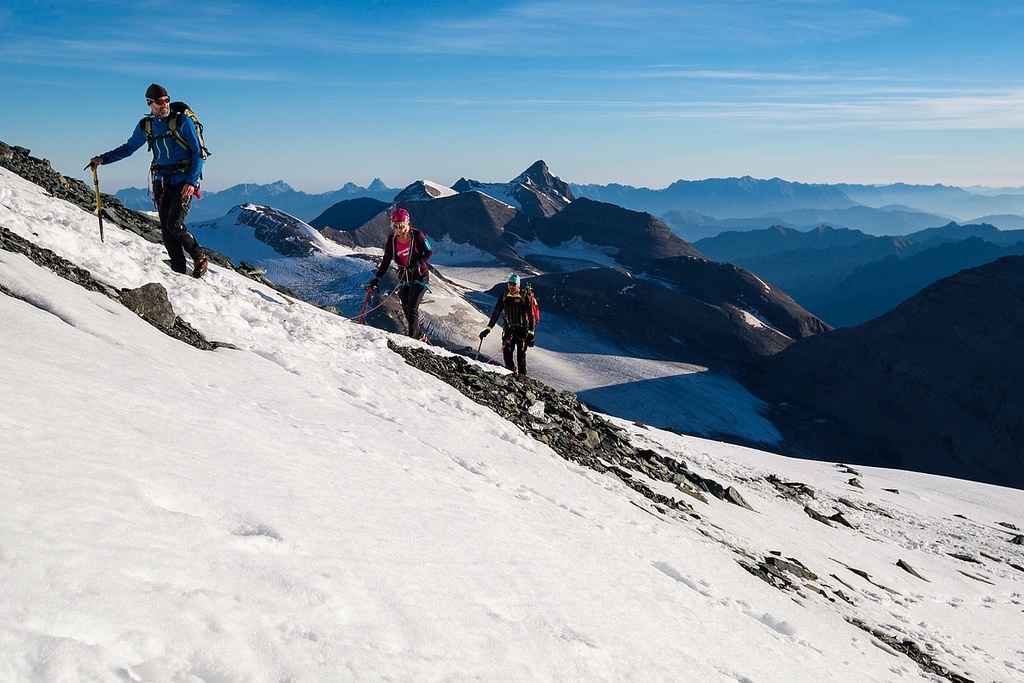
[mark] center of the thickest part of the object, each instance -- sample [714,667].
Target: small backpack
[528,293]
[178,109]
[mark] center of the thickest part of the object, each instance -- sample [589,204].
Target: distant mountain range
[845,227]
[280,195]
[882,209]
[694,209]
[846,277]
[880,222]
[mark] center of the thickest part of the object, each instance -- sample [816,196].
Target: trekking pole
[478,347]
[369,293]
[99,206]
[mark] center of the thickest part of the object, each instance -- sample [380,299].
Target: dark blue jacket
[166,152]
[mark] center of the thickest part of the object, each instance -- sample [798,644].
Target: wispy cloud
[893,110]
[613,27]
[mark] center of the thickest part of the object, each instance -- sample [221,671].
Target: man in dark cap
[517,324]
[176,169]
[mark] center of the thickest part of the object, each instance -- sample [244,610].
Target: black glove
[529,339]
[484,332]
[372,284]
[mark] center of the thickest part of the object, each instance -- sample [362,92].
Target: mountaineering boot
[201,263]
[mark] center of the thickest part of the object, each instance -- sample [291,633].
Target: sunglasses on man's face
[161,101]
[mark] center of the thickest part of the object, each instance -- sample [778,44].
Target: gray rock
[150,303]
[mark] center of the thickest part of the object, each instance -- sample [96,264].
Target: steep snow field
[306,507]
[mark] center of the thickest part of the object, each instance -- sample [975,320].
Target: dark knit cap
[155,92]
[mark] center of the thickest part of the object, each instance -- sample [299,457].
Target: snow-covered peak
[535,192]
[424,190]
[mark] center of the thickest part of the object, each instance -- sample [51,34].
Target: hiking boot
[201,263]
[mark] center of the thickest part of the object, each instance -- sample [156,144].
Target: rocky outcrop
[558,419]
[149,302]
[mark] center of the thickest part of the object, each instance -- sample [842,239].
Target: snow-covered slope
[307,507]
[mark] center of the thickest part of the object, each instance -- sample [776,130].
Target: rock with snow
[20,161]
[282,233]
[423,191]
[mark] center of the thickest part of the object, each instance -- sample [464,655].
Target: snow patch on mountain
[424,190]
[575,250]
[450,252]
[501,192]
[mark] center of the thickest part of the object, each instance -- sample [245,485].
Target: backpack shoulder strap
[173,122]
[146,124]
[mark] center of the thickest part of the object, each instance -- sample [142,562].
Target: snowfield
[307,507]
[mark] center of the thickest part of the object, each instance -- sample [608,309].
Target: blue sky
[640,93]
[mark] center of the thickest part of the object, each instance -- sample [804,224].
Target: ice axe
[99,205]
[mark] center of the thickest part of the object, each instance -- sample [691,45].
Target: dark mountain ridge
[636,237]
[683,308]
[932,386]
[469,218]
[349,214]
[493,227]
[875,288]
